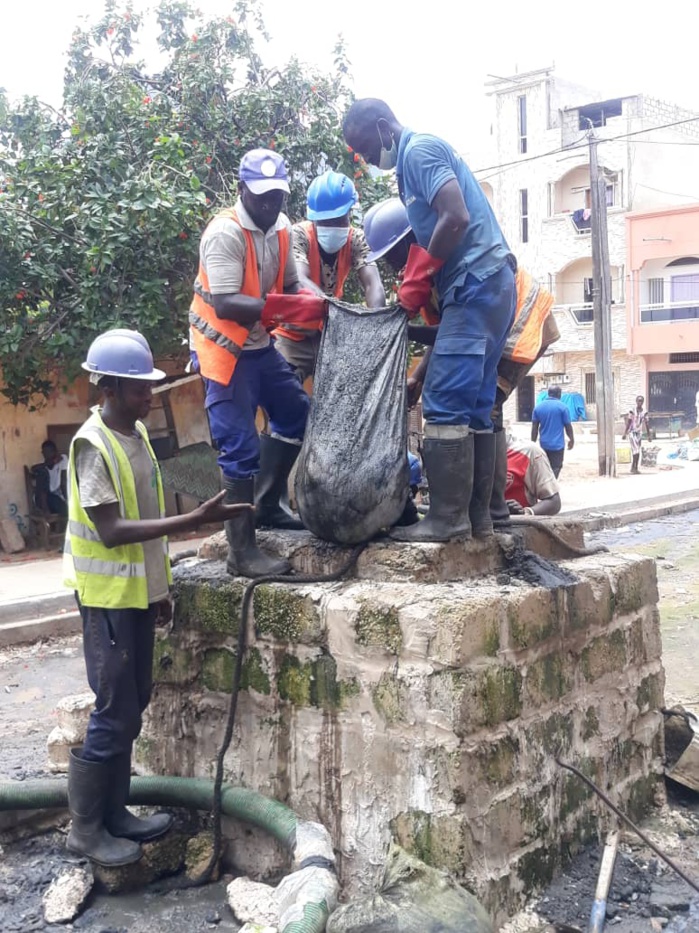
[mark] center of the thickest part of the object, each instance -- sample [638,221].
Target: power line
[577,144]
[676,194]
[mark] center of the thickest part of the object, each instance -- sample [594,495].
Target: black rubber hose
[541,525]
[624,818]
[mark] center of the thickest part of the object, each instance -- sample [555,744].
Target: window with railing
[673,298]
[590,389]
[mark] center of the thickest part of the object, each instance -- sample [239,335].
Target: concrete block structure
[422,700]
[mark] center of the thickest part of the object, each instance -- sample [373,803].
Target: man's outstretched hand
[216,510]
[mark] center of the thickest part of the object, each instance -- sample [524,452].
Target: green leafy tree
[102,202]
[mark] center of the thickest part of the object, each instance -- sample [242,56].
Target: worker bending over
[246,285]
[390,237]
[531,486]
[116,561]
[460,249]
[327,249]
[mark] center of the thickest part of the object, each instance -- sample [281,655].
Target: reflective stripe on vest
[108,578]
[218,343]
[534,303]
[344,266]
[533,324]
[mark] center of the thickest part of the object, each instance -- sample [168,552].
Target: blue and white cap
[263,170]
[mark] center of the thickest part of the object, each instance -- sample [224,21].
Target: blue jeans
[262,378]
[118,646]
[462,373]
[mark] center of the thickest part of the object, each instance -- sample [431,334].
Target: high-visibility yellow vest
[108,578]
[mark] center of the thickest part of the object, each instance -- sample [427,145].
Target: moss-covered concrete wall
[430,713]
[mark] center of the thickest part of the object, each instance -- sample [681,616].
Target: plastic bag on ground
[352,479]
[413,898]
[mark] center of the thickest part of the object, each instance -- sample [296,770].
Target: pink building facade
[663,306]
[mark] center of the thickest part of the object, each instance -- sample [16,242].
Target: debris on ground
[197,856]
[73,713]
[66,894]
[253,902]
[161,857]
[413,898]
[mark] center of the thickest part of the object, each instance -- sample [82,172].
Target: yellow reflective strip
[83,531]
[108,568]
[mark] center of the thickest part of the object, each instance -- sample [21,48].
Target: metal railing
[668,312]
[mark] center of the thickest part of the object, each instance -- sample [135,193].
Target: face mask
[332,239]
[388,157]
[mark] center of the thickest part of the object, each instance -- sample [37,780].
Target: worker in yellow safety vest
[327,249]
[247,285]
[116,561]
[390,236]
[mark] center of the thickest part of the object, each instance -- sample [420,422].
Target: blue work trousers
[462,373]
[118,646]
[262,378]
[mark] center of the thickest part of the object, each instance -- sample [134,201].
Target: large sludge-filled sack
[352,478]
[413,898]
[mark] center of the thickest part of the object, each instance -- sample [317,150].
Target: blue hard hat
[330,195]
[385,224]
[123,353]
[264,170]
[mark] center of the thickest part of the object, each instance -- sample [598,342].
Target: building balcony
[581,314]
[668,312]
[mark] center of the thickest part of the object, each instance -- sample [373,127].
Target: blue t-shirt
[552,416]
[425,164]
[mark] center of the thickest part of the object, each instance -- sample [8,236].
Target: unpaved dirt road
[674,542]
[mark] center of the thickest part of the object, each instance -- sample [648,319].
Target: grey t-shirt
[222,253]
[96,488]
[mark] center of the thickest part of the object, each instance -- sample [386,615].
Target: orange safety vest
[526,337]
[534,303]
[344,266]
[219,343]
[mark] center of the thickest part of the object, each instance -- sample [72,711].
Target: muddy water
[27,869]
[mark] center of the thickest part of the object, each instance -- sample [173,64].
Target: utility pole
[602,315]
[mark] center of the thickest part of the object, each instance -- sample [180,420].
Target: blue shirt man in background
[551,419]
[462,252]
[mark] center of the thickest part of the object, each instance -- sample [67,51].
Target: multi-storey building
[535,170]
[663,307]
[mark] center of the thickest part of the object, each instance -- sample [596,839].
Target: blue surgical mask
[332,239]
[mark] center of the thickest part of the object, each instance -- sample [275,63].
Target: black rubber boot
[89,784]
[121,822]
[634,463]
[245,559]
[499,512]
[449,466]
[276,460]
[483,472]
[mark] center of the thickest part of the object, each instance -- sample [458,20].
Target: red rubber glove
[415,291]
[304,309]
